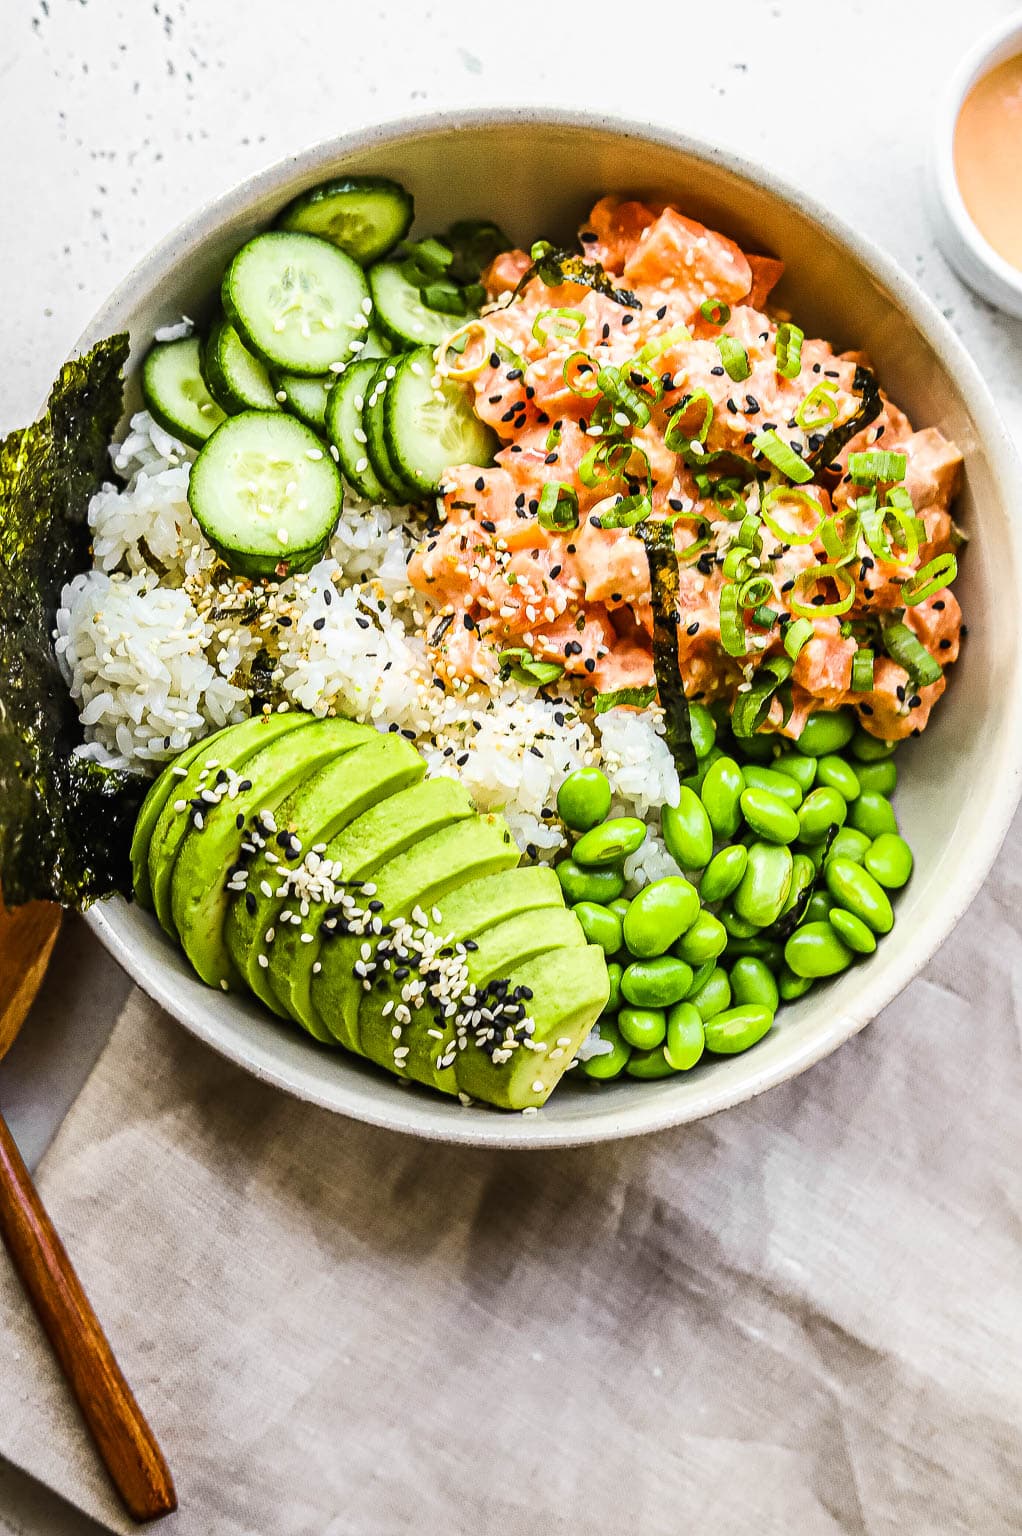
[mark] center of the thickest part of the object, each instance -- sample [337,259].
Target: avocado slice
[472,912]
[376,836]
[420,877]
[199,897]
[160,790]
[321,807]
[570,988]
[233,748]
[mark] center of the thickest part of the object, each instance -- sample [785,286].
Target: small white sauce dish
[968,251]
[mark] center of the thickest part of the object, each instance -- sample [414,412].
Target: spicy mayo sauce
[988,157]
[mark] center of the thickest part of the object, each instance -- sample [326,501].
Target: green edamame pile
[791,854]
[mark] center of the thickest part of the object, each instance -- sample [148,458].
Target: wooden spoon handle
[115,1421]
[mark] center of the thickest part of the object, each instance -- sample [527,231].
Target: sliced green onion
[788,349]
[841,547]
[909,652]
[623,397]
[732,625]
[752,705]
[874,526]
[737,565]
[558,507]
[809,578]
[715,311]
[663,343]
[782,456]
[862,670]
[626,512]
[869,468]
[727,494]
[678,435]
[444,296]
[819,408]
[641,698]
[765,617]
[523,668]
[553,437]
[789,494]
[734,357]
[929,579]
[797,636]
[559,323]
[754,591]
[576,365]
[748,535]
[607,461]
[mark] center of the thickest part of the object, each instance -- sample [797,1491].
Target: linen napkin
[800,1317]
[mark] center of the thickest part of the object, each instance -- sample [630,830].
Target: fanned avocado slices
[160,791]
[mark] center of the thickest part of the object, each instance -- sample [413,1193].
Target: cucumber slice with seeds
[399,311]
[430,424]
[345,424]
[298,302]
[175,392]
[237,380]
[362,215]
[266,494]
[399,490]
[306,398]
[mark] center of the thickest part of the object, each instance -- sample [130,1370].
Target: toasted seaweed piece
[65,823]
[864,385]
[554,267]
[658,541]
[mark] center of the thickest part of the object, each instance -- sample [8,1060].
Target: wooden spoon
[124,1440]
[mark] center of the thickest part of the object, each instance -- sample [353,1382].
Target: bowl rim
[984,55]
[445,1121]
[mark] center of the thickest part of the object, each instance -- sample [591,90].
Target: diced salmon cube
[824,665]
[505,272]
[617,225]
[767,272]
[696,260]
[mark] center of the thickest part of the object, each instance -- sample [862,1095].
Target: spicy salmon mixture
[654,380]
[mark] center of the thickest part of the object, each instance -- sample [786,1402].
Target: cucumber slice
[399,490]
[237,380]
[266,494]
[400,312]
[297,302]
[307,398]
[175,392]
[346,427]
[362,215]
[430,424]
[376,345]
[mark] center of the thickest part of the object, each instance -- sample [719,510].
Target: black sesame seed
[589,664]
[480,484]
[866,709]
[250,903]
[494,360]
[693,628]
[319,623]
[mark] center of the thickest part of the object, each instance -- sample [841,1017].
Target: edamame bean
[803,873]
[870,749]
[757,749]
[724,872]
[889,860]
[768,816]
[583,799]
[825,732]
[686,1039]
[814,949]
[736,1029]
[659,915]
[767,950]
[700,978]
[703,729]
[613,1003]
[649,1064]
[644,1028]
[713,996]
[878,778]
[782,785]
[817,908]
[619,905]
[737,927]
[873,814]
[600,925]
[753,982]
[801,769]
[790,986]
[656,983]
[815,852]
[854,888]
[765,884]
[852,930]
[848,843]
[609,843]
[687,832]
[611,1063]
[703,765]
[601,885]
[821,810]
[720,793]
[703,941]
[834,773]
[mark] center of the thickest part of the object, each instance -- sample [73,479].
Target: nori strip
[864,385]
[65,822]
[658,542]
[783,929]
[554,267]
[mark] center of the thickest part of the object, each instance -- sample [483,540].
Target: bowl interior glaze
[537,174]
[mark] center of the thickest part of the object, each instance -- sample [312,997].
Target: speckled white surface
[119,118]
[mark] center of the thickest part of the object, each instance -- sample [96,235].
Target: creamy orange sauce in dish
[580,596]
[988,157]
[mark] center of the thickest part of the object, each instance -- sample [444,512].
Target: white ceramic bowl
[969,252]
[960,782]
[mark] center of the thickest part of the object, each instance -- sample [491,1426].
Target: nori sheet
[555,267]
[664,581]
